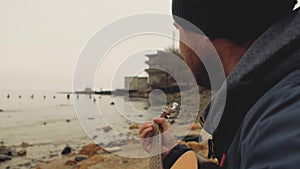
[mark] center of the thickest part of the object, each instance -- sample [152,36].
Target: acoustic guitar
[187,161]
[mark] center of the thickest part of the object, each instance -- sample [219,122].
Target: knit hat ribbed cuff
[206,13]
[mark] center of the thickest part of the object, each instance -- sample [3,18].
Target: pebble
[4,157]
[172,122]
[22,152]
[121,143]
[51,155]
[79,158]
[134,126]
[91,118]
[27,165]
[66,150]
[106,129]
[188,138]
[24,145]
[113,149]
[7,151]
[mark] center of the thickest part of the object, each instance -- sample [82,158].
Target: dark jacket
[260,125]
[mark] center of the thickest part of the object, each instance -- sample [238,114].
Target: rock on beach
[90,150]
[134,126]
[9,152]
[66,150]
[80,158]
[195,126]
[107,129]
[4,157]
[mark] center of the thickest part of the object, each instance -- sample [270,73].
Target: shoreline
[46,126]
[94,155]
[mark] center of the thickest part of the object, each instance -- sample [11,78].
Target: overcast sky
[41,39]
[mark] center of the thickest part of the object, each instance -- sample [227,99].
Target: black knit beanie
[237,20]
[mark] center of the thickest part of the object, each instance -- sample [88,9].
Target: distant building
[135,83]
[160,61]
[161,66]
[88,89]
[143,83]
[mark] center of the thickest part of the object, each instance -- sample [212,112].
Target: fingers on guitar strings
[145,131]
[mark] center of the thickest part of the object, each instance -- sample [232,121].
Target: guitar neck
[155,151]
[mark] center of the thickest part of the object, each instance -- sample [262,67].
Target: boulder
[90,150]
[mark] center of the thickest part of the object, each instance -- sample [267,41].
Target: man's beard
[202,77]
[196,65]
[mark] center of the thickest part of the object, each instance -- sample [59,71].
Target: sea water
[48,120]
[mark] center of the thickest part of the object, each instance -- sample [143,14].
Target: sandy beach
[35,132]
[96,157]
[86,155]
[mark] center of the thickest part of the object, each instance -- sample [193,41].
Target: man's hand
[145,132]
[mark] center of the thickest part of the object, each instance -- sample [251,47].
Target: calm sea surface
[50,120]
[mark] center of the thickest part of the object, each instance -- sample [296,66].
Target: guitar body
[188,160]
